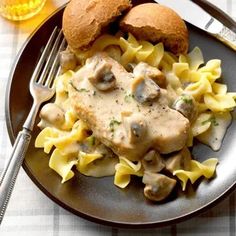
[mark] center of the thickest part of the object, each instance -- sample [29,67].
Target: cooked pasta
[197,169]
[85,159]
[187,77]
[66,141]
[96,165]
[219,102]
[124,169]
[62,164]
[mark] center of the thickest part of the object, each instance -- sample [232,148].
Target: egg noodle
[185,74]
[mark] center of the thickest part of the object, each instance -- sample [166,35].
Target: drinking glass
[20,9]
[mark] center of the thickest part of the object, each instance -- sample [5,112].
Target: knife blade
[216,12]
[195,15]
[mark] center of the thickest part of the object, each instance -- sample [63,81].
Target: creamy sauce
[213,137]
[109,113]
[101,167]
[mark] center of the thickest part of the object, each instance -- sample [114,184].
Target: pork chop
[117,118]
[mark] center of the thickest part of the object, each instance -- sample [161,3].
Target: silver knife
[198,17]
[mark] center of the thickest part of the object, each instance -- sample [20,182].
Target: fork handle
[8,177]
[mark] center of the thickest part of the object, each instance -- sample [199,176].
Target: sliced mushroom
[68,60]
[135,126]
[103,78]
[186,105]
[152,162]
[147,71]
[51,115]
[145,90]
[158,186]
[130,67]
[179,161]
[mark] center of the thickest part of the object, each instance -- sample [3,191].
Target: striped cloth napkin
[30,212]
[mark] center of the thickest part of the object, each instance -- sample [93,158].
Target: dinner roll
[83,20]
[157,23]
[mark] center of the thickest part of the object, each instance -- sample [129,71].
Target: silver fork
[42,89]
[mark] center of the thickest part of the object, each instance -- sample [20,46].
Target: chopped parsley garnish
[128,97]
[113,124]
[212,120]
[83,90]
[138,108]
[187,100]
[91,140]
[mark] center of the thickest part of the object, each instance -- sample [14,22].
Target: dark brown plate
[99,200]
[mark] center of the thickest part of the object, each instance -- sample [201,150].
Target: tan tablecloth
[30,212]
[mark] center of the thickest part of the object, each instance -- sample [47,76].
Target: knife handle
[228,37]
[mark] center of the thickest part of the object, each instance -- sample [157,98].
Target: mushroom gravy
[128,126]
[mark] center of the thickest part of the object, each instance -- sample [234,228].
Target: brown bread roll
[83,20]
[157,23]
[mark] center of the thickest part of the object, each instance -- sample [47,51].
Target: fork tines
[48,66]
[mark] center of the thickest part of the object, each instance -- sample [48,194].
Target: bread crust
[157,23]
[83,20]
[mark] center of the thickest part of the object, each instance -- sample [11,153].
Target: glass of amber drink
[20,9]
